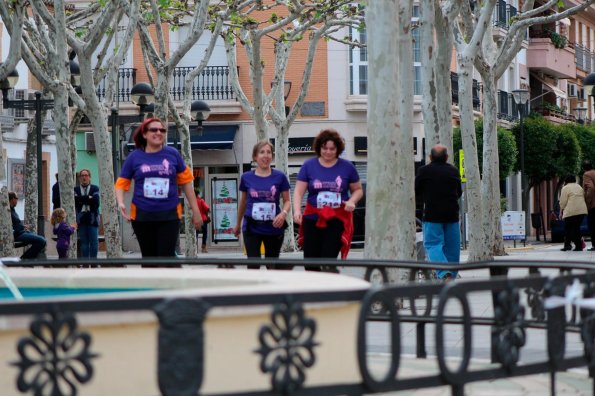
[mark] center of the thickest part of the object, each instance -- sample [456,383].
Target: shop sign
[299,146]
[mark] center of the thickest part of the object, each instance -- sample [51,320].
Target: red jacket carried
[326,214]
[204,208]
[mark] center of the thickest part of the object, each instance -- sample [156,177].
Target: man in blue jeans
[21,232]
[86,203]
[438,186]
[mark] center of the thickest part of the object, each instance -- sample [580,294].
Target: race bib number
[156,187]
[328,198]
[263,211]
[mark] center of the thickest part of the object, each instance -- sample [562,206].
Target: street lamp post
[39,105]
[142,95]
[580,113]
[200,111]
[521,97]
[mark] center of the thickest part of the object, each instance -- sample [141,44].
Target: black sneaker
[591,249]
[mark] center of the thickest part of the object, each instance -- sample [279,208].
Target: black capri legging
[322,242]
[157,238]
[272,246]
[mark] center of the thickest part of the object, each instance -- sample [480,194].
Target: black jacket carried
[438,185]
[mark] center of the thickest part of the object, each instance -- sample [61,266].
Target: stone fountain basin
[127,340]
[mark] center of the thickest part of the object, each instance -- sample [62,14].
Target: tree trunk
[190,247]
[390,221]
[6,236]
[63,153]
[443,84]
[71,153]
[491,177]
[430,99]
[282,164]
[260,105]
[30,188]
[476,235]
[98,116]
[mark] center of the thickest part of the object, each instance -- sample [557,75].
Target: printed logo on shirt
[328,185]
[161,169]
[267,195]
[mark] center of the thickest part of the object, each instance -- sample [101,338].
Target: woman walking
[572,204]
[260,217]
[157,171]
[334,188]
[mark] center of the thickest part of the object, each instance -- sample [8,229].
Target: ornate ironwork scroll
[287,346]
[508,333]
[180,351]
[535,302]
[56,358]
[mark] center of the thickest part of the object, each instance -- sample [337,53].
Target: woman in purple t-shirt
[158,171]
[260,218]
[334,189]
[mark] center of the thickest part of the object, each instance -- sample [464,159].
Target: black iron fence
[213,83]
[126,80]
[585,59]
[507,108]
[476,91]
[557,305]
[503,14]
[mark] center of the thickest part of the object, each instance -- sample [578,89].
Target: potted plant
[557,39]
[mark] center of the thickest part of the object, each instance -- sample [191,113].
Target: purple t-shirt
[262,205]
[154,175]
[328,186]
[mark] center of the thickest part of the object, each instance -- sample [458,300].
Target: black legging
[322,242]
[204,229]
[157,238]
[572,228]
[272,247]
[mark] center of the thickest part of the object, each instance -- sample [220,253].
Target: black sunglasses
[162,130]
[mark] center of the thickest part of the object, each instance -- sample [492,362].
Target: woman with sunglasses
[158,171]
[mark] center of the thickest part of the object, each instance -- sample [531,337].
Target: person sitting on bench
[22,233]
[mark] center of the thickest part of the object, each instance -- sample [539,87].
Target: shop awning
[213,137]
[551,87]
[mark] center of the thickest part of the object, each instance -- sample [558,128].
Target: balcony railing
[476,88]
[585,59]
[503,13]
[212,84]
[507,108]
[126,80]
